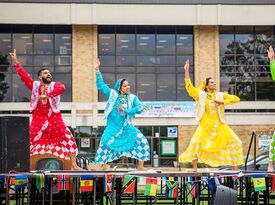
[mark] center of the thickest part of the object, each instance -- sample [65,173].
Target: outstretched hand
[270,53]
[97,64]
[14,57]
[187,65]
[186,68]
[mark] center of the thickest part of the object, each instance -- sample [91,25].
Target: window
[244,64]
[151,58]
[36,47]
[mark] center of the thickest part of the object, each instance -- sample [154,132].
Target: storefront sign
[169,109]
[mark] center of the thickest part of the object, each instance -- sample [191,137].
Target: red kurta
[56,138]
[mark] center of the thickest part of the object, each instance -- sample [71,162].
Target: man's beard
[46,80]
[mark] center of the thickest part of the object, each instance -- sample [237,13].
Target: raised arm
[192,91]
[271,55]
[101,85]
[25,77]
[137,107]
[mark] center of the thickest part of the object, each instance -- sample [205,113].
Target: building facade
[146,42]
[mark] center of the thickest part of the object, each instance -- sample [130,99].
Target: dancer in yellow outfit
[213,143]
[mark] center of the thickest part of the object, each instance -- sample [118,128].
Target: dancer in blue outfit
[121,137]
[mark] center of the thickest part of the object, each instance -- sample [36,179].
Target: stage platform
[188,183]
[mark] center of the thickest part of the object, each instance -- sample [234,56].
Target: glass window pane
[245,86]
[107,69]
[5,43]
[227,44]
[85,131]
[106,44]
[146,87]
[146,130]
[263,38]
[166,44]
[146,60]
[125,43]
[185,44]
[166,69]
[43,44]
[166,87]
[145,70]
[228,83]
[265,87]
[131,80]
[107,60]
[228,69]
[63,44]
[23,43]
[5,87]
[66,79]
[166,60]
[63,69]
[6,69]
[261,60]
[63,60]
[244,39]
[25,60]
[146,44]
[182,94]
[20,92]
[227,60]
[126,69]
[245,60]
[43,60]
[125,60]
[182,59]
[4,62]
[244,68]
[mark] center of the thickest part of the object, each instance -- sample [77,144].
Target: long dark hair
[207,82]
[121,83]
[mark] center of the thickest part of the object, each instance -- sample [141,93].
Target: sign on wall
[169,109]
[264,142]
[172,132]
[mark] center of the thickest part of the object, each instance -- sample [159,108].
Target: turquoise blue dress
[121,137]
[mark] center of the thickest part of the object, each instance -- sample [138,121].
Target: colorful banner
[40,181]
[86,183]
[171,189]
[129,184]
[20,181]
[169,109]
[108,184]
[63,182]
[259,183]
[151,187]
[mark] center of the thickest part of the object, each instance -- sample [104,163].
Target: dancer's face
[45,76]
[211,86]
[125,87]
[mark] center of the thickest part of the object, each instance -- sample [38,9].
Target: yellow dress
[213,143]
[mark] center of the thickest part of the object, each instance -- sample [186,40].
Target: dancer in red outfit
[48,132]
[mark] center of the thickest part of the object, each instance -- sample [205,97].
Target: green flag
[40,181]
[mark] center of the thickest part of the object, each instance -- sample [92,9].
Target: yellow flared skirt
[214,144]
